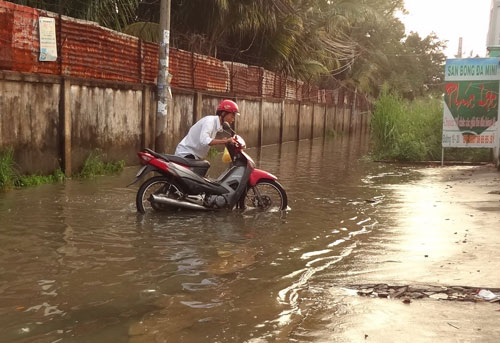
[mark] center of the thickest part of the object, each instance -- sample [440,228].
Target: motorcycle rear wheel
[158,185]
[272,197]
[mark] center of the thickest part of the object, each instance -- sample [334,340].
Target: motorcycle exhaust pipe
[176,203]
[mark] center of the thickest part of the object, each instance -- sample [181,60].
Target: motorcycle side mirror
[227,127]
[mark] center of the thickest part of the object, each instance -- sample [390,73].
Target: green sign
[471,102]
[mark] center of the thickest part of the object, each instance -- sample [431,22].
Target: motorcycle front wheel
[157,185]
[266,195]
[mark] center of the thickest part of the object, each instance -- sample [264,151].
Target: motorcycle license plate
[140,171]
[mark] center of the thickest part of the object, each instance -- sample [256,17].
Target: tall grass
[37,179]
[95,165]
[11,178]
[412,131]
[8,173]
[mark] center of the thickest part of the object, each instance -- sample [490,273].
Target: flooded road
[78,264]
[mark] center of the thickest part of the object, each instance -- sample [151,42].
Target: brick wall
[87,50]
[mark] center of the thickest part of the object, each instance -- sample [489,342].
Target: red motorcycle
[181,183]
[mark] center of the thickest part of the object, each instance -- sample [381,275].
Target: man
[202,134]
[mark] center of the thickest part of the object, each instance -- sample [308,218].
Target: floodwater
[78,264]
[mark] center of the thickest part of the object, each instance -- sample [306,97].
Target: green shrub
[10,176]
[95,165]
[35,179]
[408,148]
[8,173]
[412,131]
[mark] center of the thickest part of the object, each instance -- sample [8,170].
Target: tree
[426,72]
[409,64]
[378,34]
[114,14]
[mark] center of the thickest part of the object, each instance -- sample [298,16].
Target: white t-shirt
[199,136]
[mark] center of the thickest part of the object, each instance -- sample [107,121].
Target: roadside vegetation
[95,165]
[11,178]
[404,130]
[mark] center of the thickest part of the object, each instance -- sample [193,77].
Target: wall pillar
[261,123]
[298,121]
[342,116]
[197,108]
[282,115]
[153,118]
[66,119]
[324,120]
[146,125]
[312,121]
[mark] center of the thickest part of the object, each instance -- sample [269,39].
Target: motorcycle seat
[181,160]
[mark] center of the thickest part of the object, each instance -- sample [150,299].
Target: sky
[451,19]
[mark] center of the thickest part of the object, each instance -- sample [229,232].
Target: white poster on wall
[48,43]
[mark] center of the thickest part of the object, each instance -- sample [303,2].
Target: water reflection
[79,264]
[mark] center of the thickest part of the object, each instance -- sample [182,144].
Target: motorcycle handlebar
[226,127]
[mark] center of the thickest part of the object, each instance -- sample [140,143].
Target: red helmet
[228,106]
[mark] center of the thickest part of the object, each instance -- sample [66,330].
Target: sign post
[470,118]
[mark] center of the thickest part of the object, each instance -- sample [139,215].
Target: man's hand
[223,141]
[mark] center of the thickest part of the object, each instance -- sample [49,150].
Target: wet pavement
[78,264]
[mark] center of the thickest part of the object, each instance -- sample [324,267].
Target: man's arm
[206,138]
[222,141]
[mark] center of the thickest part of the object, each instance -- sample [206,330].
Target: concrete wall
[290,121]
[346,120]
[271,116]
[29,122]
[339,118]
[53,122]
[318,120]
[106,119]
[209,105]
[180,119]
[331,112]
[305,121]
[247,124]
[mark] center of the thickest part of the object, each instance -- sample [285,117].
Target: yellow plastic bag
[226,158]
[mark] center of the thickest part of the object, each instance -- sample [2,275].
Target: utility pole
[459,52]
[493,43]
[163,83]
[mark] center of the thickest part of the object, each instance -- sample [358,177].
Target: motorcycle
[181,183]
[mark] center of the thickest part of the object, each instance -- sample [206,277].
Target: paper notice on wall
[48,43]
[162,108]
[166,36]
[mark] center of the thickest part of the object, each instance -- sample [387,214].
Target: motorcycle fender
[258,174]
[143,171]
